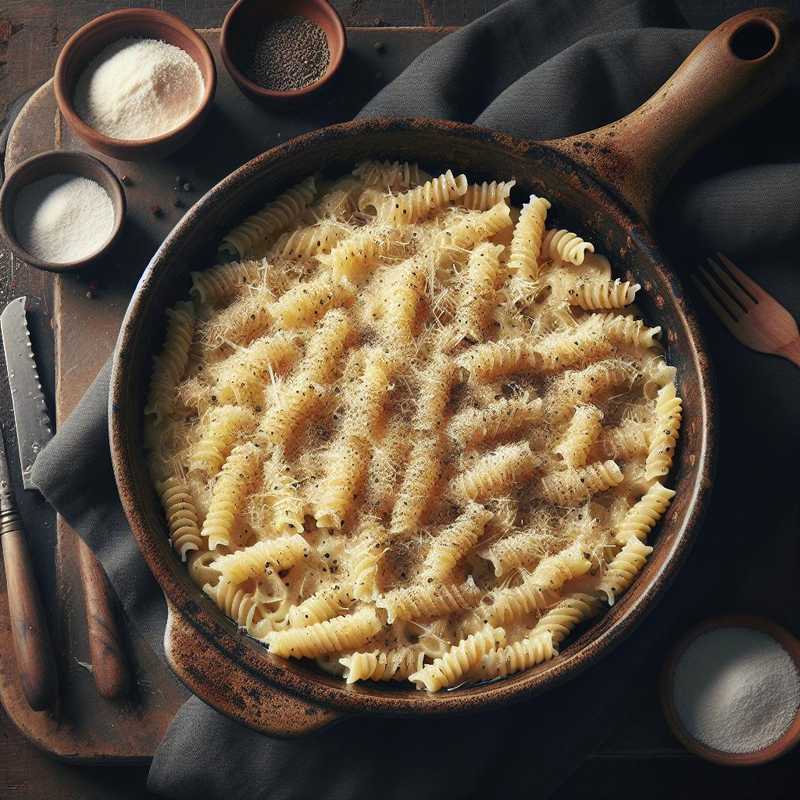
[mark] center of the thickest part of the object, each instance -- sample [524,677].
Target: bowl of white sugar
[135,83]
[61,210]
[731,691]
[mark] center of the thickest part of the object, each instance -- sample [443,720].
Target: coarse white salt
[63,218]
[138,89]
[736,690]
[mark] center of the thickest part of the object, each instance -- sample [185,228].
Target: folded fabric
[534,68]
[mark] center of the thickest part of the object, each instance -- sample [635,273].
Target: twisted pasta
[354,257]
[500,418]
[642,517]
[480,196]
[312,240]
[583,430]
[434,392]
[324,604]
[458,661]
[366,413]
[169,367]
[382,665]
[493,359]
[347,464]
[521,550]
[242,377]
[595,294]
[453,543]
[227,423]
[462,236]
[538,589]
[625,566]
[394,175]
[566,615]
[524,654]
[257,559]
[429,600]
[561,245]
[229,492]
[217,285]
[237,602]
[625,441]
[526,243]
[307,303]
[179,507]
[271,219]
[288,506]
[365,558]
[400,303]
[421,476]
[665,433]
[413,205]
[243,320]
[496,472]
[331,636]
[572,487]
[628,330]
[478,291]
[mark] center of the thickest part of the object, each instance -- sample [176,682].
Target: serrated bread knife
[34,430]
[32,645]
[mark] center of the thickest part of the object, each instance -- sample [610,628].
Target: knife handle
[32,647]
[110,667]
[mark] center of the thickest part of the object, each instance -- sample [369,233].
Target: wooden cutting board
[87,727]
[87,313]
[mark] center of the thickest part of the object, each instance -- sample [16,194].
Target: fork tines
[726,288]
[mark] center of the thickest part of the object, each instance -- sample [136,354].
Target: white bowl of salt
[61,210]
[731,691]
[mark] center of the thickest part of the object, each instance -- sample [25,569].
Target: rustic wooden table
[641,754]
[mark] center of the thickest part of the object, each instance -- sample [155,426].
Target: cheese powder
[138,89]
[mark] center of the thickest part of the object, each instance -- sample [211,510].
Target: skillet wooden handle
[737,68]
[32,647]
[234,690]
[109,665]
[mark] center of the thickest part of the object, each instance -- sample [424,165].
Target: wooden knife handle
[32,646]
[109,665]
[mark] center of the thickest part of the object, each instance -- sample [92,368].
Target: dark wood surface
[642,756]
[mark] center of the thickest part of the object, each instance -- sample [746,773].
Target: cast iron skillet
[603,184]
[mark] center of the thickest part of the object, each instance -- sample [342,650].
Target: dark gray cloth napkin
[540,69]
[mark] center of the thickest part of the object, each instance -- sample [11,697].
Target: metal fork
[752,315]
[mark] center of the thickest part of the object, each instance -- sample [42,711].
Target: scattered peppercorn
[126,180]
[380,47]
[187,186]
[156,211]
[90,294]
[178,203]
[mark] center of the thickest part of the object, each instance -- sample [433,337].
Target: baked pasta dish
[411,431]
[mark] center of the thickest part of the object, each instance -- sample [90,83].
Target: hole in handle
[754,40]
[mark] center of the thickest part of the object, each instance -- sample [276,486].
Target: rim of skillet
[616,624]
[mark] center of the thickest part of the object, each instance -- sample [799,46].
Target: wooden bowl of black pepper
[282,52]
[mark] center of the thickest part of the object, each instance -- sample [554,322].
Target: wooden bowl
[58,162]
[89,40]
[786,742]
[247,17]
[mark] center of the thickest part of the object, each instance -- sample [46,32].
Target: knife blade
[32,648]
[34,428]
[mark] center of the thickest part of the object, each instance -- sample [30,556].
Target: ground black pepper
[288,54]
